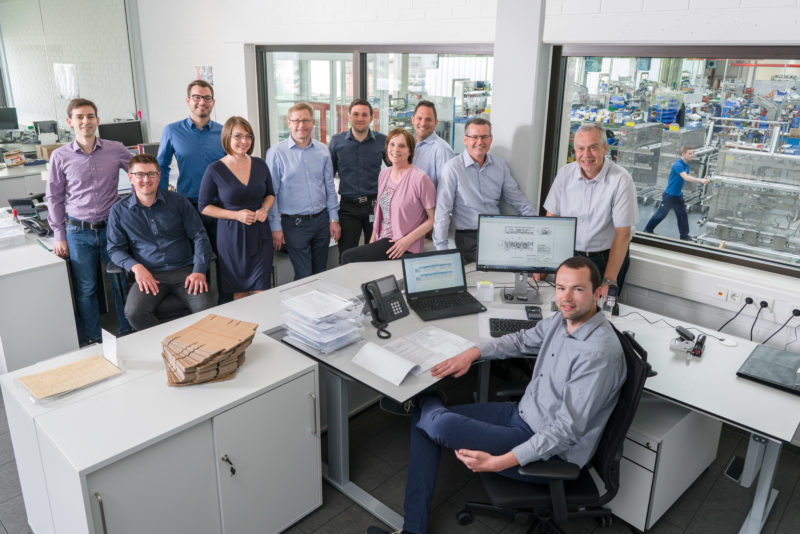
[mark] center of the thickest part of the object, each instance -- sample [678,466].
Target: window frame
[550,164]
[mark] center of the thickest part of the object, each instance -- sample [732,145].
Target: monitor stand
[522,292]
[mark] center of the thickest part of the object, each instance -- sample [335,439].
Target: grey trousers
[140,307]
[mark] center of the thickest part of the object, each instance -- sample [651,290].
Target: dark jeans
[354,220]
[493,427]
[371,252]
[676,204]
[307,239]
[140,307]
[467,243]
[601,260]
[87,248]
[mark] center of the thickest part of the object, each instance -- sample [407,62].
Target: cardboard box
[13,158]
[44,151]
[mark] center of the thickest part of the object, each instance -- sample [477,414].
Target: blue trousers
[493,427]
[676,204]
[86,249]
[307,241]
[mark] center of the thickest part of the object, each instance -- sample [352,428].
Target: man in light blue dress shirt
[576,382]
[471,184]
[431,152]
[306,213]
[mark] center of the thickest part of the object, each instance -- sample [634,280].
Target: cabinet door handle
[230,463]
[102,512]
[314,415]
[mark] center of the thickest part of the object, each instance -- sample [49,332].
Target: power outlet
[757,302]
[735,297]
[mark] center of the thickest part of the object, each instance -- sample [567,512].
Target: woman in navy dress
[243,187]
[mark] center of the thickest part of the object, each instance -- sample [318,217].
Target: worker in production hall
[672,198]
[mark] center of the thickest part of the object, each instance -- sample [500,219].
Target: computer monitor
[524,245]
[8,119]
[129,133]
[41,127]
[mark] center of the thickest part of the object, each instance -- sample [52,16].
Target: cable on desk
[662,320]
[752,326]
[795,313]
[748,301]
[785,347]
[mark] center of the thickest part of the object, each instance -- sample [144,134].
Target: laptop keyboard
[500,327]
[444,301]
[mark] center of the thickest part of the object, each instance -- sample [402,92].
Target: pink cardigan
[414,194]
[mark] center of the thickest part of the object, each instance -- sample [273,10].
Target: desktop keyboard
[501,327]
[438,302]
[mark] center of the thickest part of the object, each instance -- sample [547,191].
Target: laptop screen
[433,271]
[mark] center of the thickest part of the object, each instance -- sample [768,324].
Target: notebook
[436,285]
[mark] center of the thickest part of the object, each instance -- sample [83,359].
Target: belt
[466,231]
[99,225]
[304,217]
[590,254]
[359,200]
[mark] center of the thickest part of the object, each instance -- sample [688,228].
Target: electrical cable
[785,347]
[762,305]
[795,313]
[670,325]
[747,302]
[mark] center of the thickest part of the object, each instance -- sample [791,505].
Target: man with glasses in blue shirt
[357,155]
[470,184]
[158,236]
[195,142]
[306,212]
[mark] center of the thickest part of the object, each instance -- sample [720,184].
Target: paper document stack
[322,318]
[209,350]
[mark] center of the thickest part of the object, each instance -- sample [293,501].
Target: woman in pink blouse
[405,206]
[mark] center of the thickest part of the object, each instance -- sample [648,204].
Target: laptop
[436,286]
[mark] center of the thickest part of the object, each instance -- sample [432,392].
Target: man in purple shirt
[81,189]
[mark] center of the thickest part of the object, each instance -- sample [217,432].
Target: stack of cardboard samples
[209,350]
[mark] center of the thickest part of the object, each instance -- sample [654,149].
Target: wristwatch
[607,282]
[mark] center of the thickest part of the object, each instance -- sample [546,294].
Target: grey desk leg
[765,494]
[337,471]
[483,380]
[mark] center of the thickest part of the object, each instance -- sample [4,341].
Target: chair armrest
[551,469]
[113,268]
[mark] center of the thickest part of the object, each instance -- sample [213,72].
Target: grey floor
[379,444]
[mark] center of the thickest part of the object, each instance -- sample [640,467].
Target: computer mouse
[508,296]
[727,342]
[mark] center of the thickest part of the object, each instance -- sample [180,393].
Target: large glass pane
[323,80]
[739,115]
[459,85]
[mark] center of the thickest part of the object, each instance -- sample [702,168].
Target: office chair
[571,491]
[170,308]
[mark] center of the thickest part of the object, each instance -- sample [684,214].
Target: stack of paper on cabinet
[209,350]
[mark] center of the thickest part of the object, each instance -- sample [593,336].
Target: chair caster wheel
[605,521]
[464,517]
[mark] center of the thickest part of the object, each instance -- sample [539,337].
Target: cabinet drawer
[639,454]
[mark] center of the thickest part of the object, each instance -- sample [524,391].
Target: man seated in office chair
[576,383]
[159,237]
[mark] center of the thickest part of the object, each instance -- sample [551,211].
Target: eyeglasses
[204,98]
[239,137]
[301,121]
[140,175]
[476,137]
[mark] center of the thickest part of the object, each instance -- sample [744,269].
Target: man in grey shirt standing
[602,196]
[473,183]
[575,385]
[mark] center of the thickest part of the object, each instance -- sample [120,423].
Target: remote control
[534,313]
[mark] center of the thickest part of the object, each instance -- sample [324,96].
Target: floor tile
[333,503]
[3,421]
[790,520]
[392,492]
[367,470]
[13,517]
[371,423]
[729,440]
[443,519]
[392,445]
[723,510]
[6,449]
[353,519]
[9,482]
[681,513]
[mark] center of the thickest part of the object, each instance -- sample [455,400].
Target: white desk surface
[25,257]
[21,170]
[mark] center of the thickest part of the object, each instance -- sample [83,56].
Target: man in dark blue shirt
[158,236]
[357,155]
[672,198]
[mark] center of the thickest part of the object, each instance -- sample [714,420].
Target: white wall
[715,22]
[89,33]
[179,34]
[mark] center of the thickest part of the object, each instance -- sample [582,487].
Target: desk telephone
[38,226]
[385,303]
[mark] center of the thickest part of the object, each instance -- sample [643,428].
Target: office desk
[36,316]
[709,385]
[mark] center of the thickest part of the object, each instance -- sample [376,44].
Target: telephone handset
[385,303]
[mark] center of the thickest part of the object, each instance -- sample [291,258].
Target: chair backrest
[607,457]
